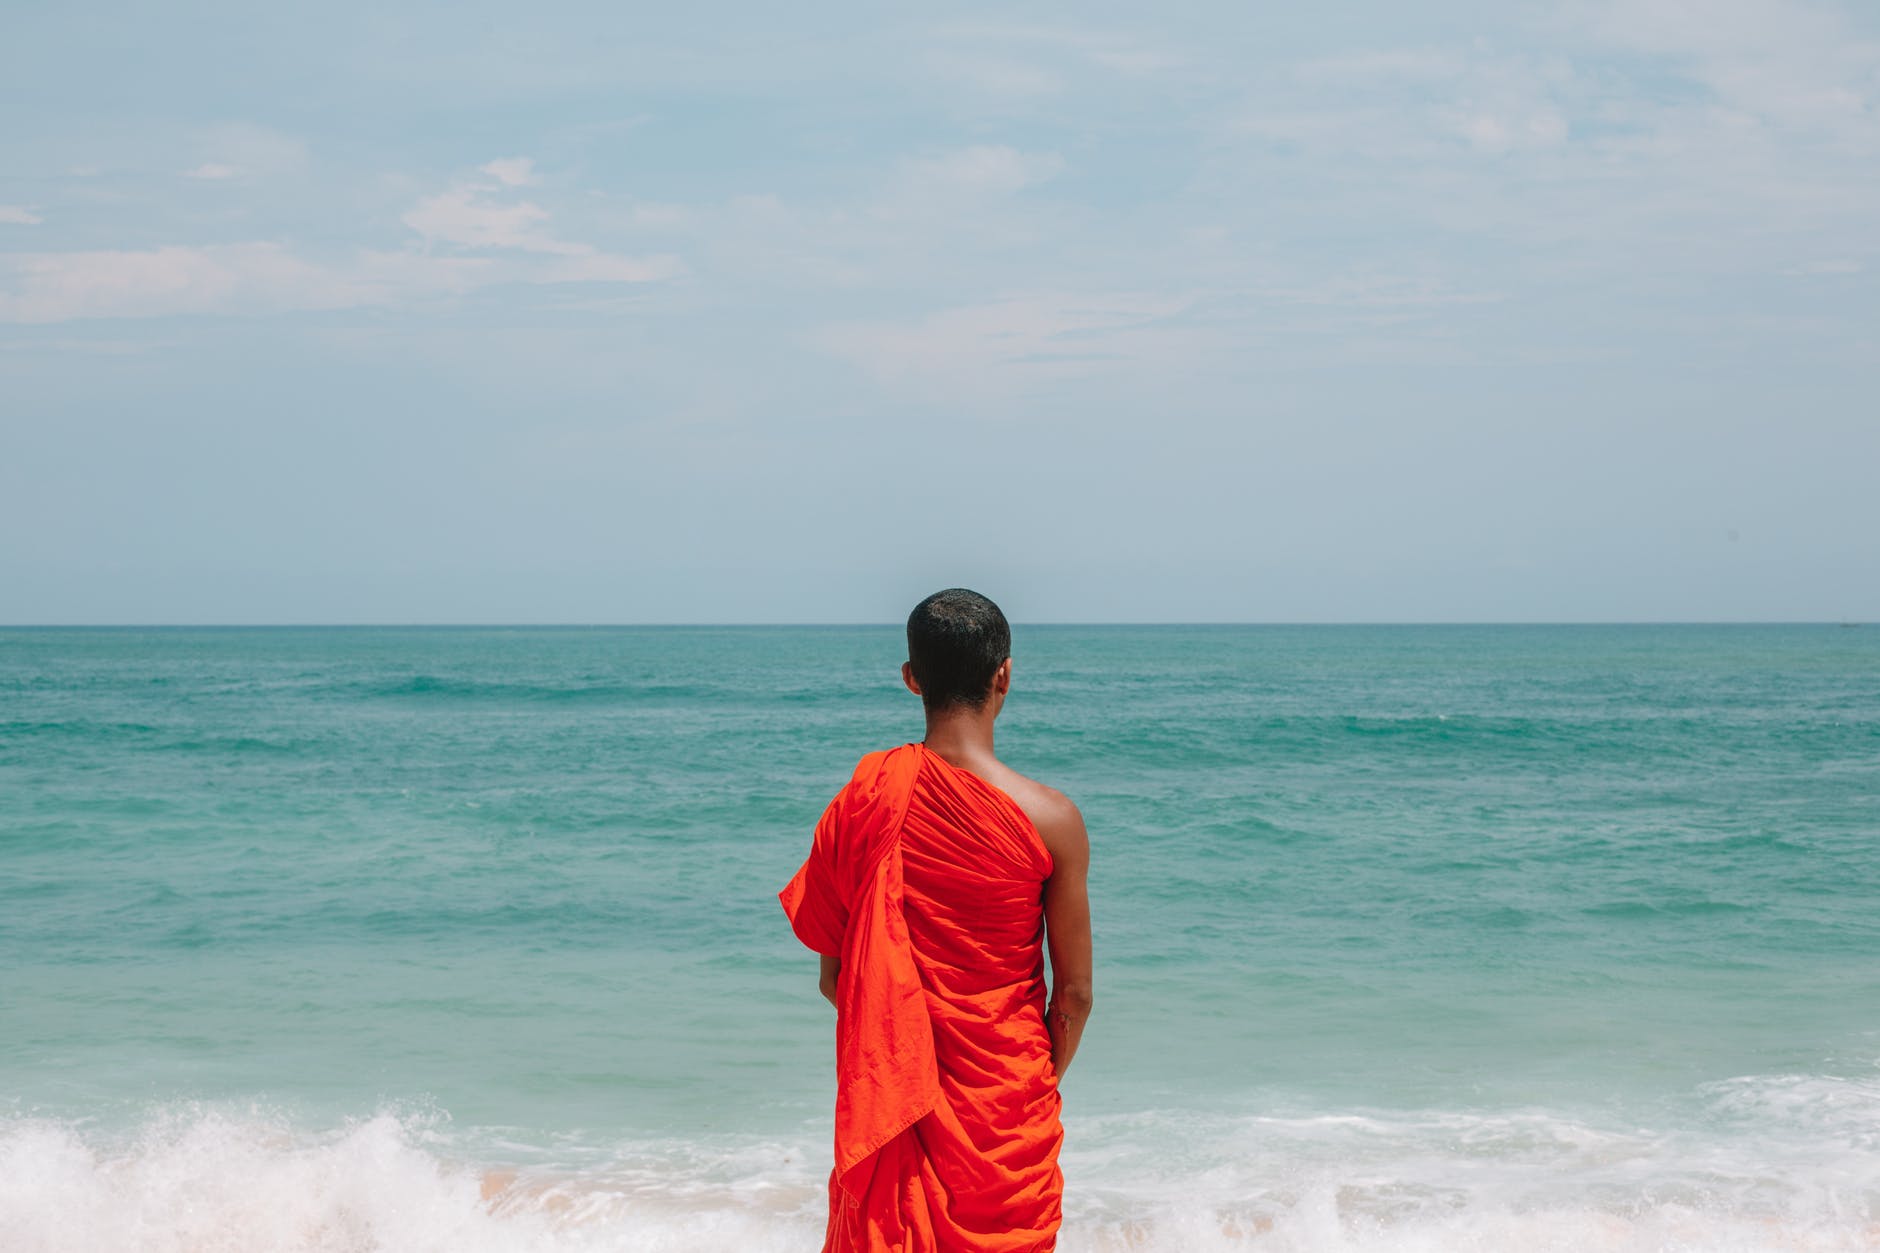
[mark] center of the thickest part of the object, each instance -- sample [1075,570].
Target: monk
[936,881]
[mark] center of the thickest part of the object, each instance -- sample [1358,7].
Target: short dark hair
[956,641]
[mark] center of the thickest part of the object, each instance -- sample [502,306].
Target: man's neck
[960,735]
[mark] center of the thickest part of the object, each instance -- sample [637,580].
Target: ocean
[1408,938]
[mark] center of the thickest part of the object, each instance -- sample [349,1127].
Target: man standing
[937,878]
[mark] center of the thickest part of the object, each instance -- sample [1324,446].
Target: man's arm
[1067,932]
[831,967]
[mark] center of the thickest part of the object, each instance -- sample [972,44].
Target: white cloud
[1133,62]
[1415,104]
[1334,129]
[1038,335]
[474,217]
[1507,132]
[1118,53]
[1832,266]
[250,277]
[267,278]
[1011,67]
[468,217]
[250,151]
[1389,294]
[512,171]
[658,216]
[1791,65]
[981,170]
[1717,134]
[482,216]
[489,238]
[593,266]
[995,75]
[38,346]
[1390,65]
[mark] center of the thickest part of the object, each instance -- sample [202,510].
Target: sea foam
[208,1183]
[1784,1163]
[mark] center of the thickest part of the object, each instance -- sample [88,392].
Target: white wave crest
[216,1184]
[1775,1163]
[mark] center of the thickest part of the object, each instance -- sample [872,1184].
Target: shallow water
[1409,937]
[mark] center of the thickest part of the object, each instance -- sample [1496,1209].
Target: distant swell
[439,688]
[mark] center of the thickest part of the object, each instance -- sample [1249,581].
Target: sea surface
[1409,938]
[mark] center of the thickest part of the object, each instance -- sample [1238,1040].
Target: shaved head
[956,641]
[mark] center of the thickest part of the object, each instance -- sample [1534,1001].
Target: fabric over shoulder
[926,882]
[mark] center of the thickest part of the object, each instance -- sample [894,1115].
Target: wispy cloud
[1833,267]
[485,241]
[18,215]
[1119,52]
[994,74]
[1640,136]
[1381,292]
[246,150]
[1418,105]
[470,218]
[1497,131]
[1790,63]
[1040,335]
[267,278]
[511,171]
[980,170]
[478,217]
[223,279]
[1019,64]
[1387,65]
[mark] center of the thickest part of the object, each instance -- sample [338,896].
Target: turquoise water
[1408,936]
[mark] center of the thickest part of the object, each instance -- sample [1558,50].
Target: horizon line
[709,625]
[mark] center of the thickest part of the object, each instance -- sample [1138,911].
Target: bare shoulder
[1059,822]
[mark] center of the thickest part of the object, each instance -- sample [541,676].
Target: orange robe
[928,883]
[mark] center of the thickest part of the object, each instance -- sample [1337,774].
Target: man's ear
[907,677]
[1002,677]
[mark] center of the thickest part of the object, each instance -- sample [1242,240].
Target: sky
[720,312]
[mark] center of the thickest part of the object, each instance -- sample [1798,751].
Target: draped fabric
[928,883]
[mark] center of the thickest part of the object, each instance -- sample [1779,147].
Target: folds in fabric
[927,883]
[847,902]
